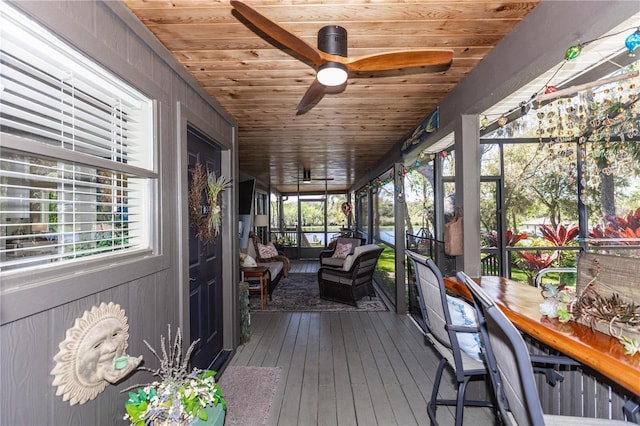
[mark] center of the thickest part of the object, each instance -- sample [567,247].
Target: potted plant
[179,396]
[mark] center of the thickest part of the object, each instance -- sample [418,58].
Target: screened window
[77,159]
[362,212]
[383,219]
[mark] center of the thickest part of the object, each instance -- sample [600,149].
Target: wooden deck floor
[348,368]
[304,266]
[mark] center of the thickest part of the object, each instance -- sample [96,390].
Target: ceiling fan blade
[400,59]
[312,96]
[278,33]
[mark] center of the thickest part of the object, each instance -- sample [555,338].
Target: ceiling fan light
[306,176]
[332,74]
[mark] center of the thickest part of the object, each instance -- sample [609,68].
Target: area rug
[300,293]
[248,392]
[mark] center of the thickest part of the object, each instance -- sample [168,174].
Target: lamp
[332,74]
[332,39]
[261,220]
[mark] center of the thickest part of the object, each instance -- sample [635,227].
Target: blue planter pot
[215,416]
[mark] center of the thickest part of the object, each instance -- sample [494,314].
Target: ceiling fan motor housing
[332,39]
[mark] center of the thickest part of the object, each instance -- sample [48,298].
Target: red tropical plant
[618,227]
[511,238]
[531,264]
[632,220]
[560,236]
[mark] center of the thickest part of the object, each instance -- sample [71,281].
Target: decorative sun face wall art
[93,354]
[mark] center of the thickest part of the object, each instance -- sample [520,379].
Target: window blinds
[76,152]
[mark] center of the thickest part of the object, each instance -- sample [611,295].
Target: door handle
[191,279]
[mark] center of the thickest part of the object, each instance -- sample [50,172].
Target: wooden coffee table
[261,272]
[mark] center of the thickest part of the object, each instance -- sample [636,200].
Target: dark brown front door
[205,267]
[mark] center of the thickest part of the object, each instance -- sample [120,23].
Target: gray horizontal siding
[35,320]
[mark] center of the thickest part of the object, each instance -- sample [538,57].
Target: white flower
[549,308]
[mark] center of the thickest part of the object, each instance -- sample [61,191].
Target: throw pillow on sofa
[342,250]
[267,251]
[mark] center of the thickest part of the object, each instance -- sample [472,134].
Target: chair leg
[433,404]
[631,409]
[462,388]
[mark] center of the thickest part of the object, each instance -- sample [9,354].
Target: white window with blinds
[76,154]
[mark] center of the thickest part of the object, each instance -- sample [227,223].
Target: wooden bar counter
[520,303]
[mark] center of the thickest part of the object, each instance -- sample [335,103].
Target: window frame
[27,291]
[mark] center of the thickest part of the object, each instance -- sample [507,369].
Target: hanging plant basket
[204,211]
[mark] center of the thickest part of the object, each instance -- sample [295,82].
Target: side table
[261,272]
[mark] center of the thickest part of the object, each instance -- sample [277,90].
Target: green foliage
[312,213]
[179,395]
[387,260]
[385,270]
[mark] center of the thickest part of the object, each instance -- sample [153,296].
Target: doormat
[248,392]
[300,293]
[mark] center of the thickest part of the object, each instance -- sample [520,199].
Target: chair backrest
[431,296]
[372,251]
[481,301]
[507,352]
[363,263]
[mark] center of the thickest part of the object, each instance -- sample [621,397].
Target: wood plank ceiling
[346,133]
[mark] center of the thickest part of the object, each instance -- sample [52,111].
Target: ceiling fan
[330,57]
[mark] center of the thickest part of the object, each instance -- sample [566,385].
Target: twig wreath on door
[204,210]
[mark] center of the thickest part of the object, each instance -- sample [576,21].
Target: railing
[289,235]
[545,271]
[489,265]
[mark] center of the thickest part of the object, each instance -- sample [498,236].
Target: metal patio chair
[443,336]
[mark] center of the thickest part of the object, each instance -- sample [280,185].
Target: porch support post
[399,226]
[467,168]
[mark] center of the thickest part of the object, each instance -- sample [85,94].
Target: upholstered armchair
[354,280]
[342,247]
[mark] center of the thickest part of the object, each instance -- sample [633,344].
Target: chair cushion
[342,250]
[274,267]
[335,262]
[463,314]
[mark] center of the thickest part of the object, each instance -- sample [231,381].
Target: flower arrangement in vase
[180,396]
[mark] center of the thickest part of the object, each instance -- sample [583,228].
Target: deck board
[347,368]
